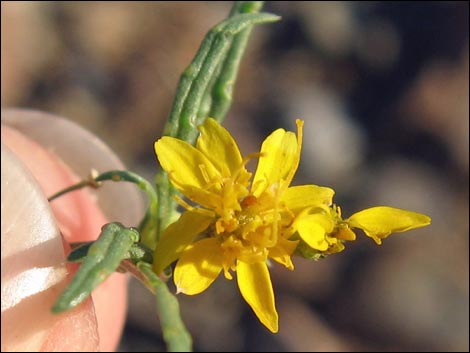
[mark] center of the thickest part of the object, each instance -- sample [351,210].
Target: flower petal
[216,143]
[177,237]
[313,229]
[345,233]
[189,170]
[282,252]
[255,286]
[198,266]
[304,196]
[379,222]
[280,156]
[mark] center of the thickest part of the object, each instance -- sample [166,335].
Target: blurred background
[383,88]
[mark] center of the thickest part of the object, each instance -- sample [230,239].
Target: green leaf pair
[102,259]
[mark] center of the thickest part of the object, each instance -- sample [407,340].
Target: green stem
[167,206]
[175,333]
[78,186]
[124,175]
[148,227]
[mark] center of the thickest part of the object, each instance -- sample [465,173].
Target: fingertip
[74,331]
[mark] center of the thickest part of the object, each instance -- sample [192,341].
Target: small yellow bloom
[323,231]
[235,224]
[239,224]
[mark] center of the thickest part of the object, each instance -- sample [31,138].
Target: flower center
[248,234]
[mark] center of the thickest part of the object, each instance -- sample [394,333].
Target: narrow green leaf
[102,259]
[218,96]
[223,87]
[79,252]
[195,79]
[138,252]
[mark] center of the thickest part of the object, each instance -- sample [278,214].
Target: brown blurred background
[383,88]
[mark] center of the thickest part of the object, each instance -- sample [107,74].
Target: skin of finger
[79,219]
[32,269]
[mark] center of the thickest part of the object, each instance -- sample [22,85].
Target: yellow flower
[324,231]
[238,224]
